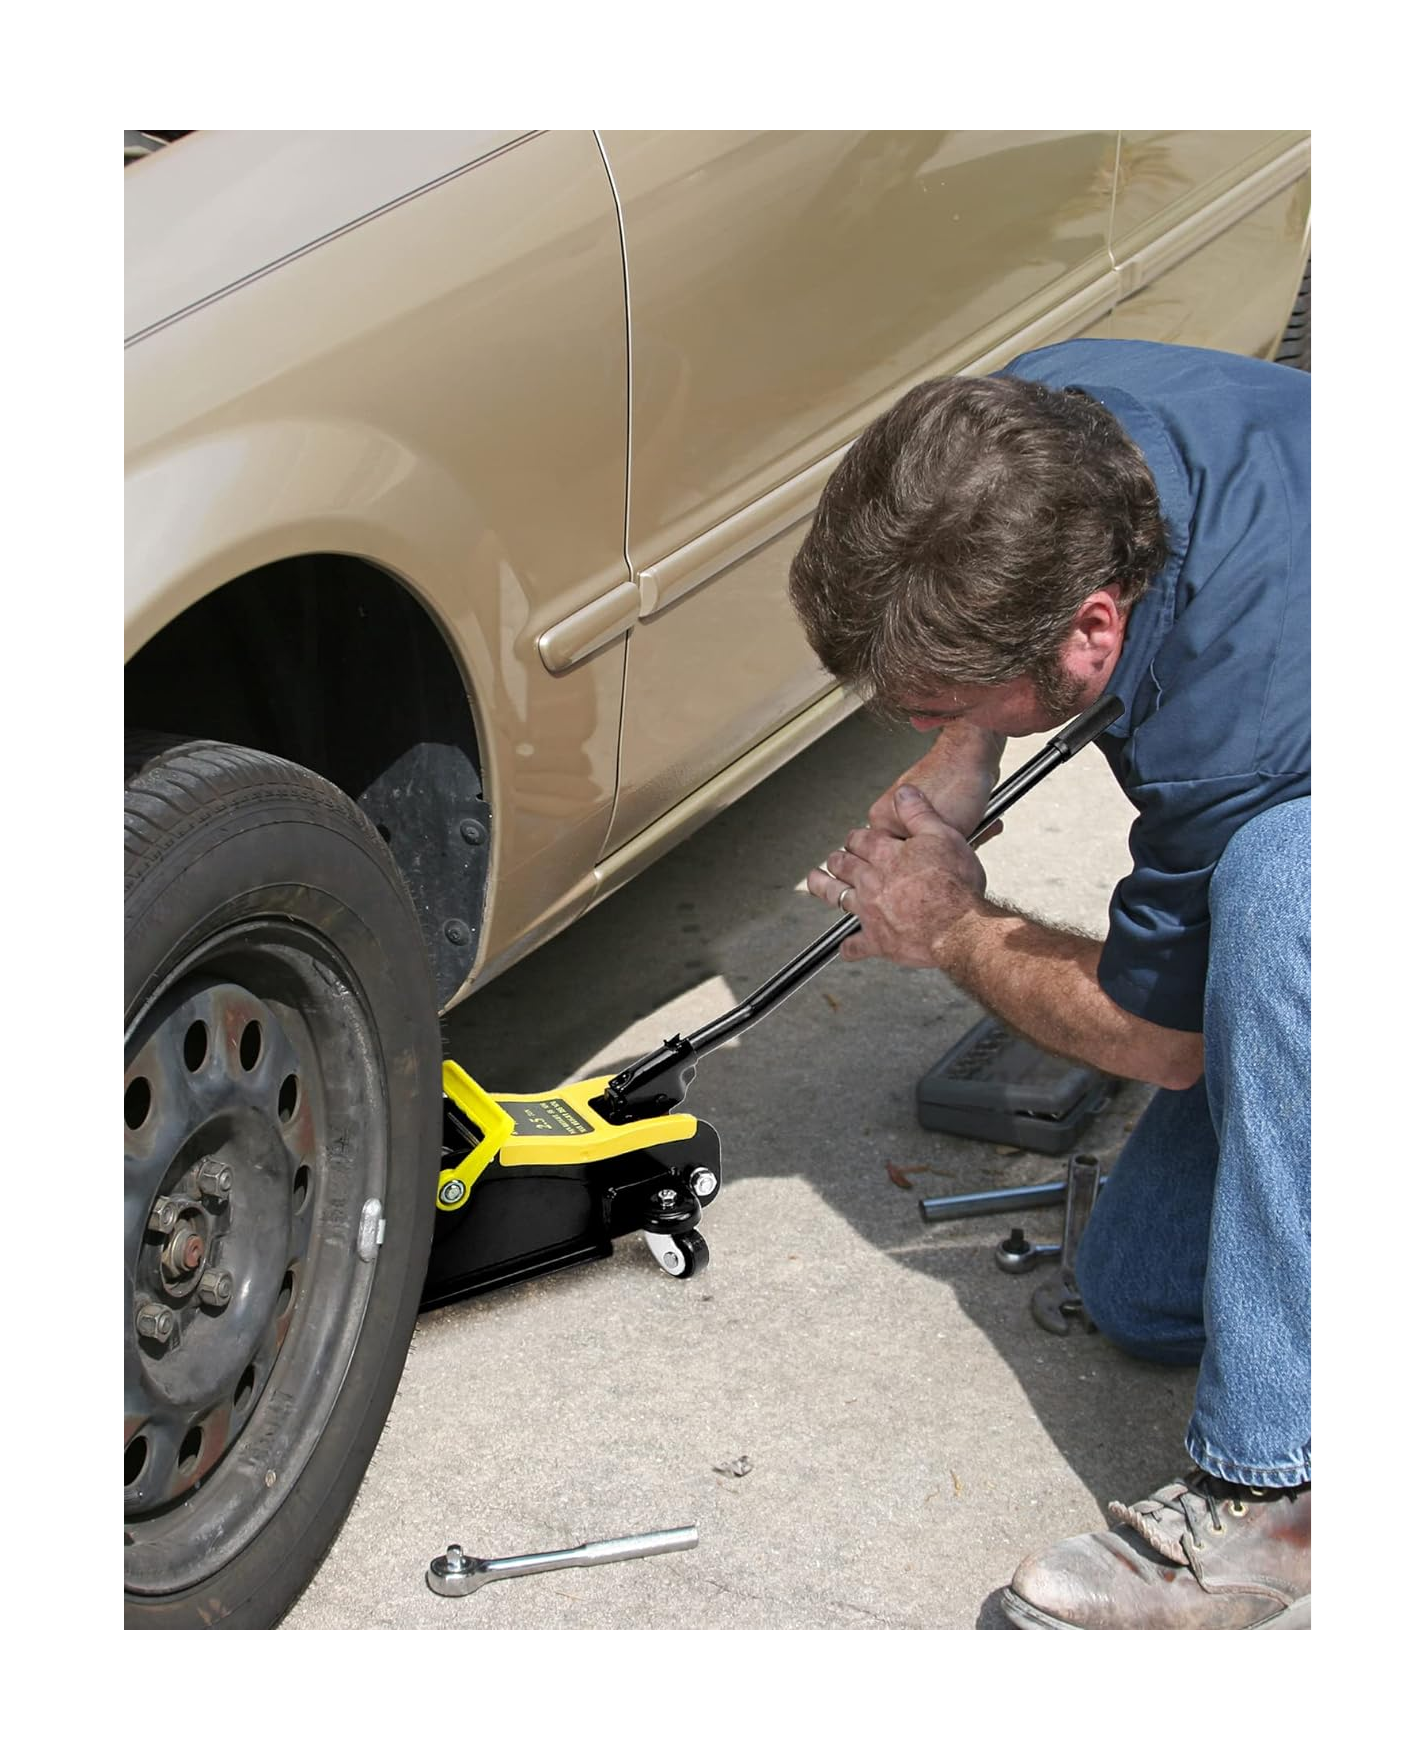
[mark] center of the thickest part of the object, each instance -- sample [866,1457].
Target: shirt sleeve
[1154,962]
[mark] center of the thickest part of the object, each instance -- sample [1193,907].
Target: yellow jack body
[553,1128]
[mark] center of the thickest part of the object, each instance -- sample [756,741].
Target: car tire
[282,1144]
[1295,347]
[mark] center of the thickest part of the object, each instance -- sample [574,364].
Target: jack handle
[659,1081]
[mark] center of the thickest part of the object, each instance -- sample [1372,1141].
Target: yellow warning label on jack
[546,1115]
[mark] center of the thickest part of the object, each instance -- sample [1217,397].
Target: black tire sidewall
[1294,349]
[298,849]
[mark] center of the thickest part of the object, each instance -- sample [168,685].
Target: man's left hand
[907,892]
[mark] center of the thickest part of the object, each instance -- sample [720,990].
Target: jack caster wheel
[681,1257]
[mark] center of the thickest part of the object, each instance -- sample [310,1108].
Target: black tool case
[997,1086]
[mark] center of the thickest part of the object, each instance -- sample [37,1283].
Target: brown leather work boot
[1198,1555]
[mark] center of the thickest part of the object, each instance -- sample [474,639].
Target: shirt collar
[1152,615]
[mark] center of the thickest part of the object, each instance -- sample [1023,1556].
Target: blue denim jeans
[1199,1249]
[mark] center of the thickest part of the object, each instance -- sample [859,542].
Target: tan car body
[578,393]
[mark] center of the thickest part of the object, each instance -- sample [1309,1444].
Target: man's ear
[1096,633]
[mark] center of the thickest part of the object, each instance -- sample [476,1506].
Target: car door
[783,289]
[1210,231]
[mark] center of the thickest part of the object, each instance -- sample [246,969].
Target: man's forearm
[957,774]
[1044,983]
[916,892]
[970,759]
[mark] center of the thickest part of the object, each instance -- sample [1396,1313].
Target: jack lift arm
[531,1184]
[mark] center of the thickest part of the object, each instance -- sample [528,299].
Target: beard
[1058,693]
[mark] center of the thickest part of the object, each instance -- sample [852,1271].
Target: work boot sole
[1023,1616]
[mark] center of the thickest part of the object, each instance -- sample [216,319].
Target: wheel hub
[218,1177]
[184,1252]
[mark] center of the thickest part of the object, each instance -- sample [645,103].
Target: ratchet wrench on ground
[457,1574]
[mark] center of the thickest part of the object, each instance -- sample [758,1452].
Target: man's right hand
[957,775]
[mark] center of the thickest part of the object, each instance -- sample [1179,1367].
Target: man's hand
[919,896]
[907,887]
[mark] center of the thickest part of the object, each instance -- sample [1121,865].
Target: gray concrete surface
[911,1432]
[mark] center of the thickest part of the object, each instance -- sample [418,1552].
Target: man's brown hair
[962,531]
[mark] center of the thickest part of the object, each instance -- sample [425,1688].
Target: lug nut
[154,1322]
[216,1289]
[215,1179]
[703,1182]
[163,1216]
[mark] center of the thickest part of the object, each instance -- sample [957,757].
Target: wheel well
[333,663]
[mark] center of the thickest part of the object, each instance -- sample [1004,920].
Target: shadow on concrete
[992,1613]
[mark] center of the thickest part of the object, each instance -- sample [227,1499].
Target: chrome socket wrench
[1017,1254]
[457,1574]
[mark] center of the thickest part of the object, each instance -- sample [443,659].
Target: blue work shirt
[1215,670]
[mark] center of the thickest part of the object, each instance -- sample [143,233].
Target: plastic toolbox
[995,1085]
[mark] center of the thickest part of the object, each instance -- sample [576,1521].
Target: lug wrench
[995,1200]
[457,1574]
[1056,1304]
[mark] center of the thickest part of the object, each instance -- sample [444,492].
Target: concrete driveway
[911,1433]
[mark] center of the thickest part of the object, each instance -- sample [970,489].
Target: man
[991,557]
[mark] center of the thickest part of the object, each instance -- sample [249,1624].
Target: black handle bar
[660,1080]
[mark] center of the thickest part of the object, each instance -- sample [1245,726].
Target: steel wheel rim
[259,1054]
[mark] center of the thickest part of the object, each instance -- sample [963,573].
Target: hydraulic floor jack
[532,1184]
